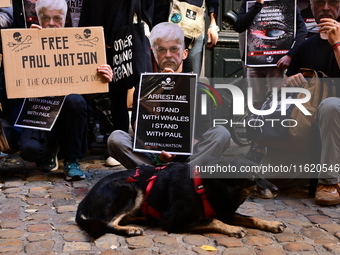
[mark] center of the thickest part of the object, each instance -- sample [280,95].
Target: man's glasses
[162,50]
[46,18]
[322,2]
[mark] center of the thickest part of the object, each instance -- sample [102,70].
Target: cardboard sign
[53,62]
[165,113]
[271,34]
[40,113]
[5,3]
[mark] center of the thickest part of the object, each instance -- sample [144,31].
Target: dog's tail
[95,228]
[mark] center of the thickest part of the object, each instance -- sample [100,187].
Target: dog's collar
[200,190]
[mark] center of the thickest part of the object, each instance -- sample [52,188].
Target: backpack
[189,17]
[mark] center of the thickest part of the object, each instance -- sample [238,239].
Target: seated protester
[67,139]
[264,79]
[325,58]
[193,63]
[209,141]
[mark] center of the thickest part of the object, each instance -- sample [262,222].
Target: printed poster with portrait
[308,17]
[165,113]
[29,12]
[74,8]
[271,34]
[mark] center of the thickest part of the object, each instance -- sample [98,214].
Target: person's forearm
[337,55]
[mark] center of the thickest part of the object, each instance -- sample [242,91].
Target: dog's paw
[135,231]
[276,227]
[237,232]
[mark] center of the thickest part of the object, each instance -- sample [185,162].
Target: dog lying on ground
[176,202]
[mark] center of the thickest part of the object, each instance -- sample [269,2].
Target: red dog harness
[198,186]
[200,190]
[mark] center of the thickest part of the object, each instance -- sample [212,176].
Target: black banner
[165,113]
[40,113]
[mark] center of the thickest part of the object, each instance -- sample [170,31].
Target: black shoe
[50,161]
[254,155]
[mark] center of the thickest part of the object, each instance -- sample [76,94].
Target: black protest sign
[40,113]
[165,114]
[271,34]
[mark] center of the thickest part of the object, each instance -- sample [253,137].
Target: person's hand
[330,27]
[284,62]
[212,37]
[106,71]
[167,70]
[35,26]
[296,80]
[260,1]
[166,157]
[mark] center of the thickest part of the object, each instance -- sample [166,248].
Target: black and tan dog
[176,202]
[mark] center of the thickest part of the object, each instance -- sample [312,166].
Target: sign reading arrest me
[53,62]
[165,113]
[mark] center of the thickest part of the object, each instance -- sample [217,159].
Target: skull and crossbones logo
[86,37]
[167,84]
[18,40]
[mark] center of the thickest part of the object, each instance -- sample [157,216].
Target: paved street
[37,216]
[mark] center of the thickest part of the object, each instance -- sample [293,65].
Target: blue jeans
[193,63]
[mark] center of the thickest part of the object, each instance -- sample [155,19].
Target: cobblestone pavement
[37,216]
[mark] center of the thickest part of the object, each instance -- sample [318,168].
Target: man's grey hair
[51,5]
[167,31]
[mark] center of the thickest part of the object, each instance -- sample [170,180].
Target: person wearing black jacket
[194,61]
[67,139]
[321,52]
[113,15]
[209,141]
[274,74]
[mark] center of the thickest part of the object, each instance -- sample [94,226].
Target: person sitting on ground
[263,78]
[67,139]
[325,58]
[209,141]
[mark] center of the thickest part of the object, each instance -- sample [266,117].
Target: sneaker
[327,194]
[50,162]
[3,155]
[110,161]
[72,170]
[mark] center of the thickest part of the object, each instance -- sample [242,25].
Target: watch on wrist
[215,27]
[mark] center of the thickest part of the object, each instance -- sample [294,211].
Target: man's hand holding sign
[44,63]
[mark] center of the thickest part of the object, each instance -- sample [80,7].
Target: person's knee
[330,104]
[75,103]
[329,109]
[221,134]
[115,139]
